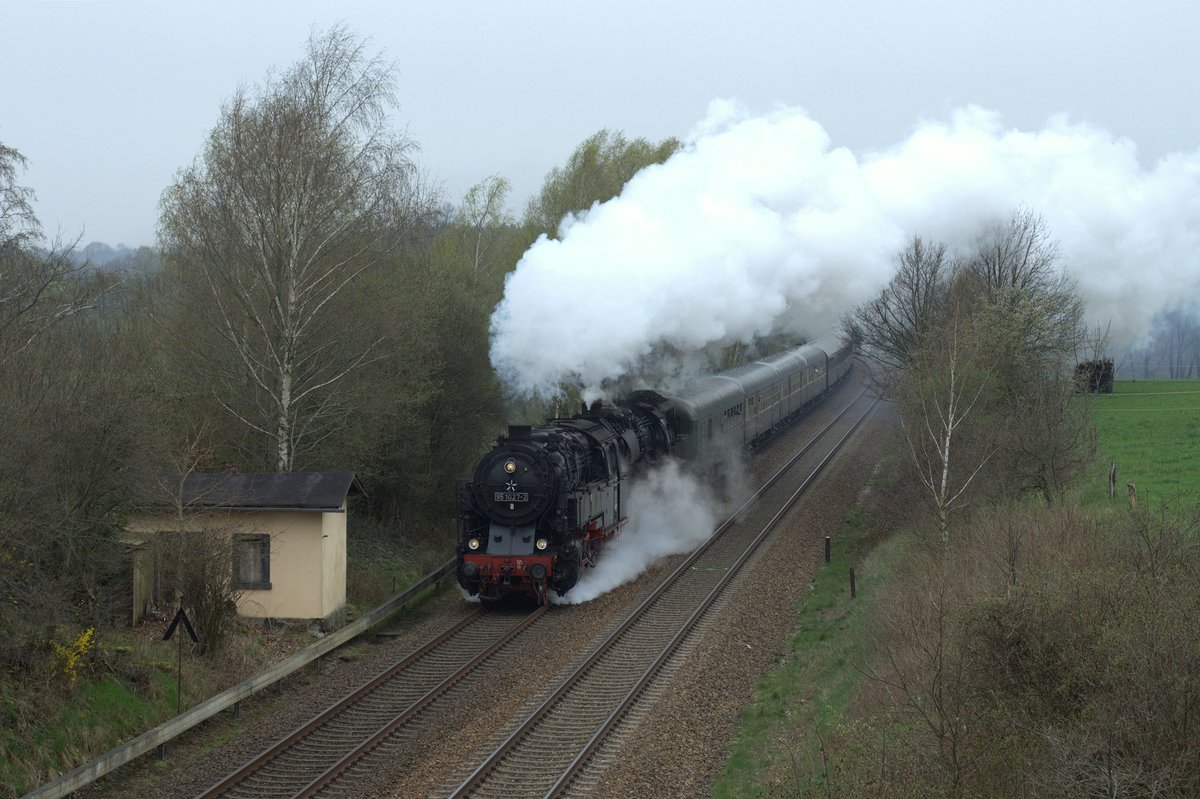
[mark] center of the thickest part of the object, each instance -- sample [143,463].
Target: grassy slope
[777,749]
[126,685]
[1152,430]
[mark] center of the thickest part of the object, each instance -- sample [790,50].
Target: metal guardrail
[77,778]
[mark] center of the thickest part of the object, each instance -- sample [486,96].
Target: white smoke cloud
[760,224]
[671,511]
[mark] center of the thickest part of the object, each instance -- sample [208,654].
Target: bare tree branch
[301,190]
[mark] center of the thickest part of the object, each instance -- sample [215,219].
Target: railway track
[315,755]
[315,758]
[551,750]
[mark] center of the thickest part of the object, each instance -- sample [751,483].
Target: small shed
[283,536]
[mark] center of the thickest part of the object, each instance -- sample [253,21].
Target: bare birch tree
[992,334]
[300,189]
[939,396]
[481,215]
[1174,348]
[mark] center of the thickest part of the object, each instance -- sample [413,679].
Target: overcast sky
[108,99]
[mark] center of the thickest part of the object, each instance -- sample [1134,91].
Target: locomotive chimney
[517,432]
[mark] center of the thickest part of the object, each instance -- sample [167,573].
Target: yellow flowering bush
[73,654]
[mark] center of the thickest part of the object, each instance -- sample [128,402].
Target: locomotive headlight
[542,543]
[473,544]
[510,466]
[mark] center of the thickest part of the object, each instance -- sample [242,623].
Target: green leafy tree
[69,433]
[1031,314]
[596,171]
[74,438]
[416,444]
[19,227]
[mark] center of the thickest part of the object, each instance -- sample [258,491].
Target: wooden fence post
[1132,496]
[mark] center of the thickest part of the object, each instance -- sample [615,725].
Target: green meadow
[1151,428]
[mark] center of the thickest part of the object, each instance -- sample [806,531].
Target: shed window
[252,561]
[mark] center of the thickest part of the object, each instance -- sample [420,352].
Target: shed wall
[307,563]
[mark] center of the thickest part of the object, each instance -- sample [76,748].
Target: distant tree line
[1173,350]
[105,258]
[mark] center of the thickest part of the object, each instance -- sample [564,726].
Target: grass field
[1151,428]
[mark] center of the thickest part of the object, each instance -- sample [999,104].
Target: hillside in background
[106,258]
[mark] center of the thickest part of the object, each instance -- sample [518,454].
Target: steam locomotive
[545,499]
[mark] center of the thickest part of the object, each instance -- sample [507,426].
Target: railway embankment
[1041,649]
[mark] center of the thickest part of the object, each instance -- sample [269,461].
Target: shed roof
[309,491]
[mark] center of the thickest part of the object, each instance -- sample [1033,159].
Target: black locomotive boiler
[547,496]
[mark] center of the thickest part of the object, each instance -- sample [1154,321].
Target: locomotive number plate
[512,496]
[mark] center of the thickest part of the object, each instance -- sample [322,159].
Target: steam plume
[759,224]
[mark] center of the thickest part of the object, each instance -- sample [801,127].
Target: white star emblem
[511,485]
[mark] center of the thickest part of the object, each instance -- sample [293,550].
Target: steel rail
[333,713]
[365,748]
[255,763]
[652,671]
[502,750]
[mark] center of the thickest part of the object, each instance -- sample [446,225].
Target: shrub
[1044,652]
